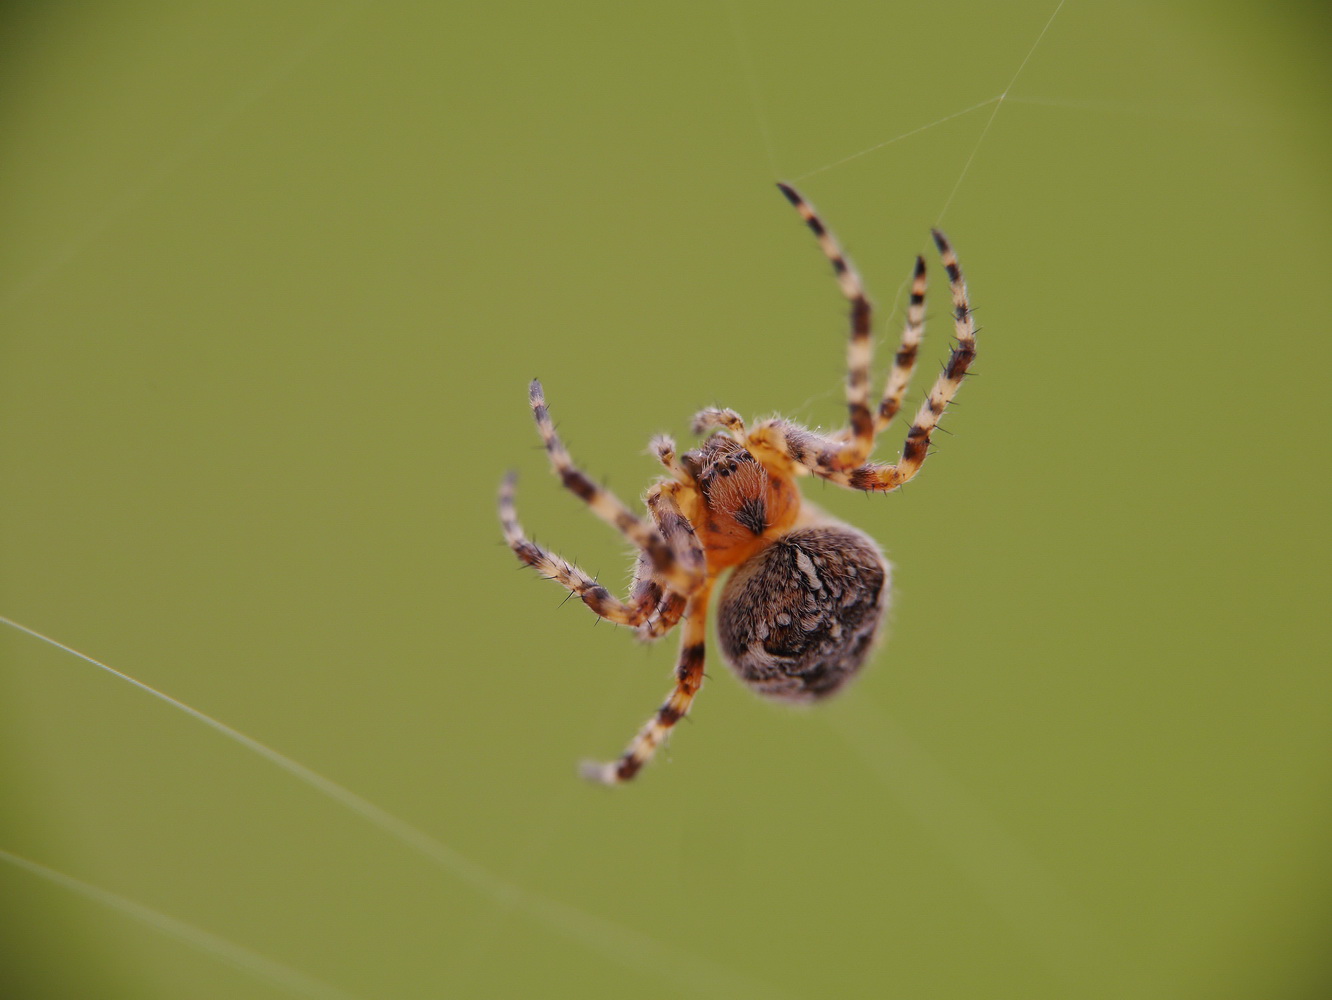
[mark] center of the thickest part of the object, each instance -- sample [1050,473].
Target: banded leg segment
[860,349]
[688,564]
[904,361]
[605,504]
[713,417]
[646,593]
[663,446]
[688,679]
[670,609]
[689,555]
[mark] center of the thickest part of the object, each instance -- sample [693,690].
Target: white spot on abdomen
[806,566]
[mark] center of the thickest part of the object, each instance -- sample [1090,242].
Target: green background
[273,280]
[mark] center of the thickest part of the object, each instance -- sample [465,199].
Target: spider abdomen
[799,618]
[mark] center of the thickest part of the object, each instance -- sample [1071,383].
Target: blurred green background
[273,280]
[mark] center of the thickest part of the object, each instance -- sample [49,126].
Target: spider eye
[801,616]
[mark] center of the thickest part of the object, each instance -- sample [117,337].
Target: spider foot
[712,417]
[601,774]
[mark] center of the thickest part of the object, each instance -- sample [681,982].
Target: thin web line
[997,101]
[621,945]
[1034,46]
[751,81]
[967,166]
[1157,109]
[229,952]
[189,145]
[998,104]
[899,138]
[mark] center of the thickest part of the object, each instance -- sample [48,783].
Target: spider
[804,604]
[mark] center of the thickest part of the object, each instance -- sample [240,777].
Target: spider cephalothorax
[740,505]
[804,605]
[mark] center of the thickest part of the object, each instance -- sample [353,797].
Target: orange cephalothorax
[743,503]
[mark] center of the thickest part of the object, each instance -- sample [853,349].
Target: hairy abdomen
[799,618]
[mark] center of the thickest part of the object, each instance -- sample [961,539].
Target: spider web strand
[233,954]
[621,945]
[752,82]
[999,102]
[899,138]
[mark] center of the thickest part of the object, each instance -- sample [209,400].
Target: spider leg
[679,533]
[688,563]
[670,609]
[941,393]
[670,604]
[821,455]
[859,440]
[712,417]
[646,593]
[904,361]
[688,679]
[663,447]
[657,600]
[605,504]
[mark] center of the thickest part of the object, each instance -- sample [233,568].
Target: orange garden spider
[803,608]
